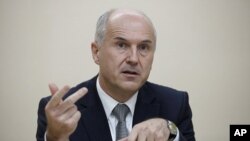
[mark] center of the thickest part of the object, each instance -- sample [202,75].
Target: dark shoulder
[163,91]
[174,103]
[166,96]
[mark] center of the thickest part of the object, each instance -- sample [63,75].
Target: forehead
[131,26]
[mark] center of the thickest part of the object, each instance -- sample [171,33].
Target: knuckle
[66,102]
[160,136]
[154,132]
[59,120]
[137,127]
[77,117]
[74,107]
[68,125]
[69,101]
[63,123]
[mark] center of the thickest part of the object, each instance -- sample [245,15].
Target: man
[124,47]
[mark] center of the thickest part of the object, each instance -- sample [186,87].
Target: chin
[131,86]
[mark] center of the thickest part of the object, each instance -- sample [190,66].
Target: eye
[144,49]
[121,45]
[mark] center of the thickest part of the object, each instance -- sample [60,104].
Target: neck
[118,94]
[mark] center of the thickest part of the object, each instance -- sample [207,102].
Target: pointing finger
[74,97]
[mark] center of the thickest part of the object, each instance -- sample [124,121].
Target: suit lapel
[96,124]
[93,115]
[145,107]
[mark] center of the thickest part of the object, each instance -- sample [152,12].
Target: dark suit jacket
[152,101]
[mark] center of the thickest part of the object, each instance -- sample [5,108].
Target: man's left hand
[155,129]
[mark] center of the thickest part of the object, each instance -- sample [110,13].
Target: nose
[132,57]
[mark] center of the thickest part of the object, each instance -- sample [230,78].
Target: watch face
[172,127]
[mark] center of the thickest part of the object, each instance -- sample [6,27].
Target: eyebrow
[122,39]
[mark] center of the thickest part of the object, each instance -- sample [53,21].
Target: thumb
[53,88]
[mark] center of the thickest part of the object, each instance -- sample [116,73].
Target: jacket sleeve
[185,124]
[41,120]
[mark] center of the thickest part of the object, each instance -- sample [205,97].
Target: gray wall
[203,47]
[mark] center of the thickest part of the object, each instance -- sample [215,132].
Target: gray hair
[101,26]
[102,22]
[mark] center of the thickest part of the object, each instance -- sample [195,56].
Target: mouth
[130,72]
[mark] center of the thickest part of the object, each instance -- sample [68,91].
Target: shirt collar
[109,103]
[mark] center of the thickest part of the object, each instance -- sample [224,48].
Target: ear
[95,52]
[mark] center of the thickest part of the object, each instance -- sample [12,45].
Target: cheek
[147,63]
[110,61]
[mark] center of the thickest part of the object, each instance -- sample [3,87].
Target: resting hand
[62,115]
[155,129]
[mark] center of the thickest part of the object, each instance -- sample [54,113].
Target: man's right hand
[62,115]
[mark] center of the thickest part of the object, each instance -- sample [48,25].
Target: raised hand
[62,115]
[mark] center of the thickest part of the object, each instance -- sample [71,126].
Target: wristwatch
[173,130]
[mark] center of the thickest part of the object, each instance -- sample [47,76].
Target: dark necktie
[120,112]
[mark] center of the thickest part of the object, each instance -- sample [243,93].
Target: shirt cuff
[45,139]
[177,136]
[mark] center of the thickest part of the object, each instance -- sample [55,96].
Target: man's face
[126,54]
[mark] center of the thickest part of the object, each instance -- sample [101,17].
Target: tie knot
[120,111]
